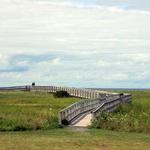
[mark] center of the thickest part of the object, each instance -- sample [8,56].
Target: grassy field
[64,139]
[131,118]
[30,111]
[21,111]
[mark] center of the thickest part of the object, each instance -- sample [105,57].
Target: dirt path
[86,121]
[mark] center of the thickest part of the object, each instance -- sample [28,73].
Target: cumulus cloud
[74,44]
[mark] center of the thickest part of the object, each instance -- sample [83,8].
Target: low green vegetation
[21,111]
[65,139]
[32,111]
[134,117]
[60,94]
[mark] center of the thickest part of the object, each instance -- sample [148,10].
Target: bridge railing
[68,114]
[15,88]
[111,105]
[82,93]
[95,107]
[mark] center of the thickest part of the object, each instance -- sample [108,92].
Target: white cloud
[102,63]
[105,44]
[23,63]
[3,60]
[56,61]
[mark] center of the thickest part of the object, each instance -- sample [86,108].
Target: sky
[78,43]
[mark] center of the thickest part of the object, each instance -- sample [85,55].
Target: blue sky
[82,43]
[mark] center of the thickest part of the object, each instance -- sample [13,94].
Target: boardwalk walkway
[81,113]
[86,121]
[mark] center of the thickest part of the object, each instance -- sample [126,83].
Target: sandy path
[86,121]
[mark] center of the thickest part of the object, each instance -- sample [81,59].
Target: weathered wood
[83,93]
[98,101]
[96,106]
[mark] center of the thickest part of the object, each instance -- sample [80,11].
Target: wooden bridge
[94,103]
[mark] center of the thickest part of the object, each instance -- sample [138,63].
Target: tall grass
[30,111]
[131,118]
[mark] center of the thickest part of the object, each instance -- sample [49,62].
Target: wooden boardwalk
[80,113]
[84,122]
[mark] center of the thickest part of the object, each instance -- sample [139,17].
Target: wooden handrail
[95,107]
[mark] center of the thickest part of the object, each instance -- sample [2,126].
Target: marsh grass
[132,118]
[20,111]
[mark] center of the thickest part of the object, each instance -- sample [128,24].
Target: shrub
[65,122]
[33,84]
[61,94]
[21,128]
[130,118]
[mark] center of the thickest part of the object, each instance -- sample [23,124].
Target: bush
[130,118]
[20,128]
[33,84]
[61,94]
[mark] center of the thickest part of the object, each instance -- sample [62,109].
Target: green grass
[30,111]
[131,118]
[64,139]
[21,111]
